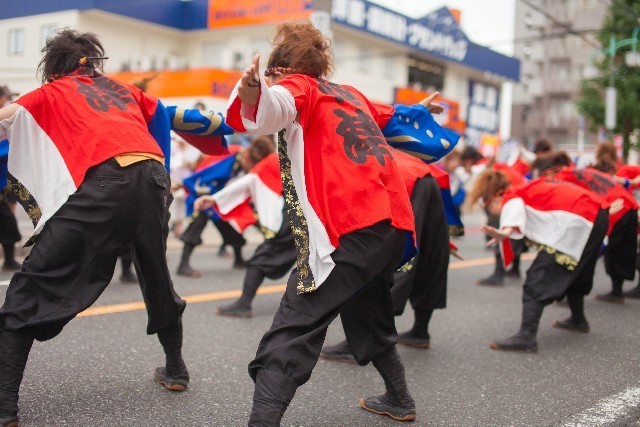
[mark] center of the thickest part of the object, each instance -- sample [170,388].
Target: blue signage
[483,113]
[437,34]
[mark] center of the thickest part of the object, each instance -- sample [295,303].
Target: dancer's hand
[431,106]
[496,235]
[616,206]
[203,203]
[456,254]
[249,89]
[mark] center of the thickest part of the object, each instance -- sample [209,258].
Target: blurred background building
[193,50]
[553,40]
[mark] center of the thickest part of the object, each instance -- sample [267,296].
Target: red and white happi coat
[65,127]
[558,216]
[338,161]
[261,187]
[604,186]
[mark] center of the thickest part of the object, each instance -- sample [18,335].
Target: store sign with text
[449,118]
[483,114]
[437,34]
[197,82]
[237,13]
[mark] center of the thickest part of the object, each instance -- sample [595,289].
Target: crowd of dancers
[348,196]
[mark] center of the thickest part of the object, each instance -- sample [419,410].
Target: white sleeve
[514,215]
[275,110]
[234,193]
[6,124]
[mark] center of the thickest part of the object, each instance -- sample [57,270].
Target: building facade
[552,64]
[194,50]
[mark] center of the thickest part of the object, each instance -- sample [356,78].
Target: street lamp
[631,58]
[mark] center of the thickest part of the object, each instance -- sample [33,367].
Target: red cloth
[351,181]
[521,167]
[629,172]
[547,195]
[208,160]
[116,115]
[515,177]
[412,169]
[603,185]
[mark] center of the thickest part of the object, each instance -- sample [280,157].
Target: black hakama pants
[425,282]
[358,288]
[548,280]
[193,234]
[74,257]
[621,252]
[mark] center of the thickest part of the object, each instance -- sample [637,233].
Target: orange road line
[272,289]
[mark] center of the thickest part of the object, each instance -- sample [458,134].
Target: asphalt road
[98,371]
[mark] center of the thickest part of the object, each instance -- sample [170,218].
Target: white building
[195,49]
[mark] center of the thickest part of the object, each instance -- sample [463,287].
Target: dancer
[9,232]
[211,175]
[499,273]
[262,187]
[92,178]
[349,211]
[423,281]
[567,224]
[622,246]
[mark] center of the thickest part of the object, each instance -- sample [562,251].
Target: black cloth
[74,256]
[274,257]
[358,288]
[193,234]
[548,281]
[9,232]
[425,282]
[620,254]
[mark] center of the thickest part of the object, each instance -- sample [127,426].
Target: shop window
[425,75]
[364,60]
[16,41]
[46,32]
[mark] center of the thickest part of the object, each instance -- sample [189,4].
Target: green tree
[619,23]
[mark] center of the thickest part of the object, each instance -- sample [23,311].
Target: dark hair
[301,47]
[542,146]
[471,153]
[606,151]
[63,52]
[261,147]
[553,159]
[489,183]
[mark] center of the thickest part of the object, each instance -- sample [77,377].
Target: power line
[567,27]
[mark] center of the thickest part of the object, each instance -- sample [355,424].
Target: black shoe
[128,277]
[572,326]
[178,383]
[493,280]
[12,265]
[411,340]
[610,298]
[513,274]
[633,293]
[9,421]
[338,353]
[239,264]
[186,270]
[518,342]
[381,405]
[223,252]
[237,308]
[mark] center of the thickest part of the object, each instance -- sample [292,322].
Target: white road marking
[607,410]
[4,282]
